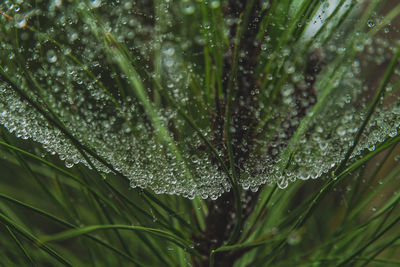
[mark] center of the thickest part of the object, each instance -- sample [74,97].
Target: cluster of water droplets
[332,128]
[64,68]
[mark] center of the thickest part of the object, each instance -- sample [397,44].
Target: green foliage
[194,133]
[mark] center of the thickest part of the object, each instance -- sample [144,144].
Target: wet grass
[50,215]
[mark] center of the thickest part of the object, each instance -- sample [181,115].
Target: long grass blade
[68,225]
[81,231]
[35,241]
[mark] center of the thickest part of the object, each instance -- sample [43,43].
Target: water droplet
[214,4]
[51,56]
[293,238]
[169,51]
[264,47]
[341,131]
[20,21]
[282,182]
[371,23]
[95,3]
[169,62]
[393,133]
[188,8]
[69,163]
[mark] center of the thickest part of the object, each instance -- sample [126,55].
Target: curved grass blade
[367,199]
[6,221]
[374,173]
[359,251]
[323,191]
[149,198]
[30,171]
[69,225]
[259,213]
[241,246]
[333,262]
[126,200]
[81,231]
[62,171]
[110,220]
[169,211]
[379,251]
[28,258]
